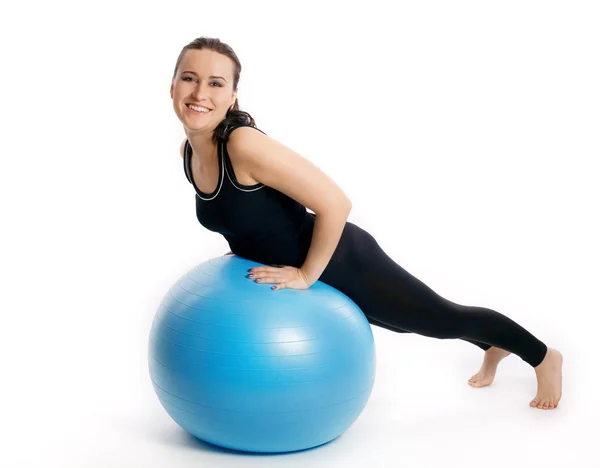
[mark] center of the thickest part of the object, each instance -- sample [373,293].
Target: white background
[465,133]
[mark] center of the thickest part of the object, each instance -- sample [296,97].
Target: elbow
[348,205]
[336,205]
[342,205]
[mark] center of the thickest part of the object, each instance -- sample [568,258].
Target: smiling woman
[206,74]
[255,191]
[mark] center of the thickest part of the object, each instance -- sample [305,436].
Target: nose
[201,90]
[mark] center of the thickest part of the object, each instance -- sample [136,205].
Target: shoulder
[245,142]
[244,133]
[274,164]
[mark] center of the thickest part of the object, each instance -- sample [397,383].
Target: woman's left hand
[283,277]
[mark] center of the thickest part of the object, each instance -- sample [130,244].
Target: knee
[449,321]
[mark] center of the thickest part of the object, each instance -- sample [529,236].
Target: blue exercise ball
[248,368]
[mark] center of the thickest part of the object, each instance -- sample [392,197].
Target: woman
[254,191]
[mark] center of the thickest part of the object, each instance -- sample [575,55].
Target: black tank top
[259,222]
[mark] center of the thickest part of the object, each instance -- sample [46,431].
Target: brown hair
[234,116]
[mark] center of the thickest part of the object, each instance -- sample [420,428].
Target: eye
[189,78]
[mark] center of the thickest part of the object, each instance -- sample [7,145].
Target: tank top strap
[186,161]
[223,155]
[223,143]
[232,127]
[227,162]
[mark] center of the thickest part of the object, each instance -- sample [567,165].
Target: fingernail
[250,275]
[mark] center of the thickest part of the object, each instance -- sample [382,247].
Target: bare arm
[277,166]
[327,232]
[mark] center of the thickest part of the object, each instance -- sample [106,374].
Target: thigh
[377,323]
[386,293]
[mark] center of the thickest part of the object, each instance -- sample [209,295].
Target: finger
[270,270]
[267,279]
[265,275]
[279,286]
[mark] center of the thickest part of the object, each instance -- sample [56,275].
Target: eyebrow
[211,76]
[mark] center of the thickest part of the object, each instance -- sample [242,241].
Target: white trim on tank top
[229,177]
[222,178]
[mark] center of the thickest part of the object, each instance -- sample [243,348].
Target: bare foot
[549,379]
[486,374]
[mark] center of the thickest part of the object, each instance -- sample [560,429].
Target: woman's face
[204,78]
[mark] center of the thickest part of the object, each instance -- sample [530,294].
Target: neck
[204,148]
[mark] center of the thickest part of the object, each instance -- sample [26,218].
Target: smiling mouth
[197,112]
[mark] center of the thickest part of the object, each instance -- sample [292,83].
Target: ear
[171,91]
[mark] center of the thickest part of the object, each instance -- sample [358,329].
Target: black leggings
[392,298]
[372,321]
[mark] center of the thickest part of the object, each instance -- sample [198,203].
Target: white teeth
[199,109]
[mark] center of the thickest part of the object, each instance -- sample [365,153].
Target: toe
[533,403]
[545,403]
[539,402]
